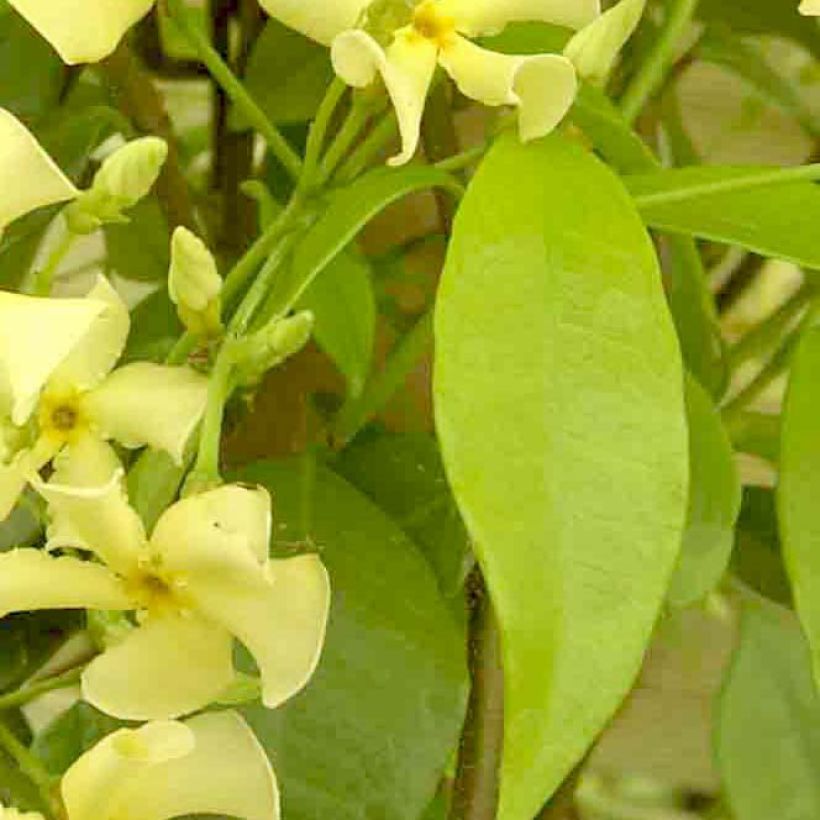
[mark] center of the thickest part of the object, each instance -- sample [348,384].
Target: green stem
[29,765]
[33,690]
[237,92]
[44,278]
[381,387]
[206,468]
[318,133]
[360,113]
[756,179]
[650,76]
[759,340]
[369,148]
[465,159]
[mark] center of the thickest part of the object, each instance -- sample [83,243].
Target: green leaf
[346,213]
[71,734]
[778,220]
[287,75]
[403,475]
[140,248]
[373,731]
[155,327]
[32,72]
[798,491]
[768,726]
[559,406]
[714,502]
[757,558]
[344,304]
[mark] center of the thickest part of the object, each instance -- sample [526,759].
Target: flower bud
[272,345]
[594,49]
[124,178]
[194,284]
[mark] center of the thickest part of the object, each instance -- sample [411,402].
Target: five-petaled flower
[404,41]
[58,386]
[209,764]
[202,578]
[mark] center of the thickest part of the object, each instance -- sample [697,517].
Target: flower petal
[479,17]
[810,7]
[321,20]
[16,474]
[103,24]
[171,665]
[594,49]
[32,579]
[543,86]
[97,352]
[95,786]
[22,158]
[407,68]
[281,621]
[35,337]
[144,403]
[89,508]
[226,772]
[231,518]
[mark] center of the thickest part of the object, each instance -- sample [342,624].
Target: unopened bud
[194,284]
[272,345]
[124,178]
[594,49]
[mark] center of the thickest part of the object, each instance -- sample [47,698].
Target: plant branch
[29,765]
[237,92]
[650,75]
[475,791]
[29,692]
[139,99]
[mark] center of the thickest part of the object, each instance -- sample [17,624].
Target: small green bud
[594,49]
[124,178]
[194,284]
[272,345]
[107,628]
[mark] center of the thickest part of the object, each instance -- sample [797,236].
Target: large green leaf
[778,220]
[373,731]
[559,406]
[344,305]
[403,475]
[345,214]
[768,731]
[798,492]
[714,502]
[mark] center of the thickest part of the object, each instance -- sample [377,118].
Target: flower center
[430,23]
[60,416]
[154,590]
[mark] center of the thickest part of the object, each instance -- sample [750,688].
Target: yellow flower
[82,31]
[57,359]
[201,579]
[211,764]
[14,814]
[22,158]
[423,34]
[810,7]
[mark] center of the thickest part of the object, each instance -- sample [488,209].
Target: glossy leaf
[778,220]
[403,475]
[799,489]
[559,407]
[714,502]
[344,306]
[372,733]
[768,730]
[346,213]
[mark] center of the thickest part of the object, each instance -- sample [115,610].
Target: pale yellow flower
[404,41]
[201,579]
[82,31]
[211,764]
[29,178]
[58,385]
[810,7]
